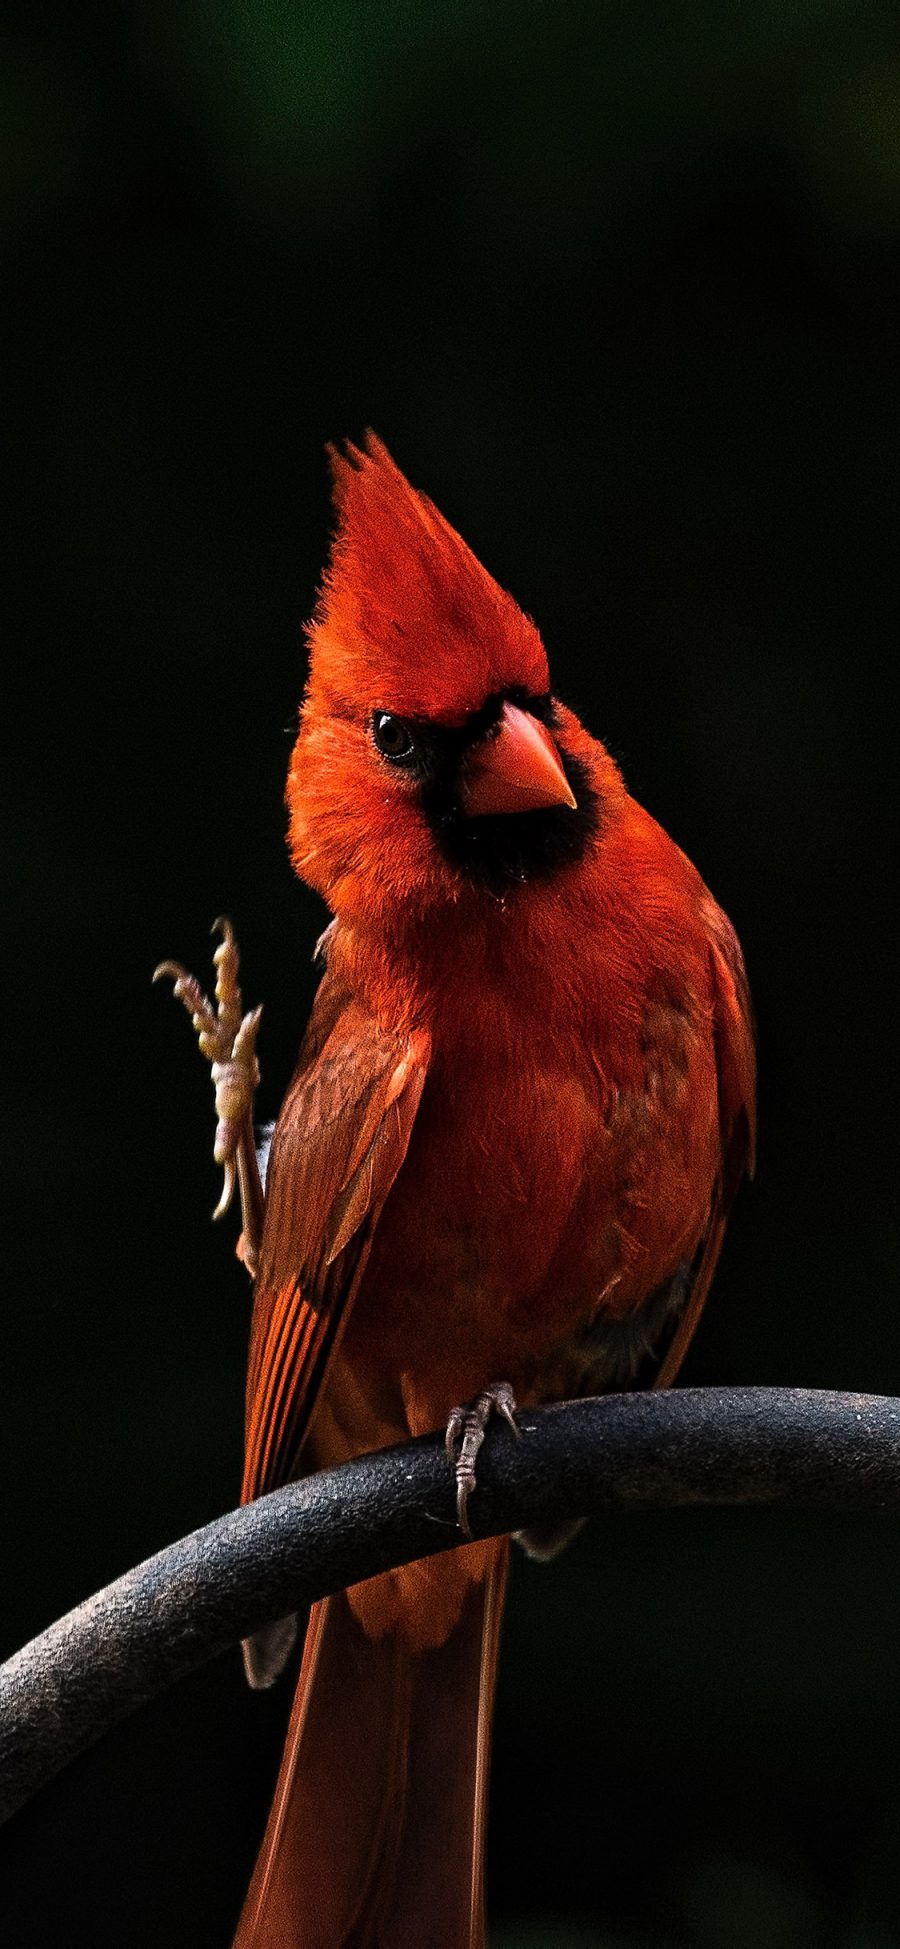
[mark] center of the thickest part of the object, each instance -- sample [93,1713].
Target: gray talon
[227,1038]
[465,1433]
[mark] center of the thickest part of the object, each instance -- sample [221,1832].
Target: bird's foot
[465,1434]
[227,1038]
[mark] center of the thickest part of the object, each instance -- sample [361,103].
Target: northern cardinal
[501,1173]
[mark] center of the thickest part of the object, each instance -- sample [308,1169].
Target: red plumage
[522,1107]
[407,612]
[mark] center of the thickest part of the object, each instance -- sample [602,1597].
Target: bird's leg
[465,1434]
[227,1038]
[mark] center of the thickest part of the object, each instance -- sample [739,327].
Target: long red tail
[376,1835]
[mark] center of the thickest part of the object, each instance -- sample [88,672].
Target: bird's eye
[392,738]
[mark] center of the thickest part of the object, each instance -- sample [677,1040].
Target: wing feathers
[736,1072]
[338,1145]
[377,1170]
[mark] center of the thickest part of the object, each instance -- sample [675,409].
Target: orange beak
[516,768]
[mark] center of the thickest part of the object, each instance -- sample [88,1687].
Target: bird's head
[432,757]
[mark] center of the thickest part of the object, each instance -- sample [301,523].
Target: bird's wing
[339,1142]
[736,1074]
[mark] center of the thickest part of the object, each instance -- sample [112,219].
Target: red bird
[501,1173]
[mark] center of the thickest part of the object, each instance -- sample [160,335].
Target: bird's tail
[376,1835]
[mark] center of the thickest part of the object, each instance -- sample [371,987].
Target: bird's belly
[505,1233]
[508,1228]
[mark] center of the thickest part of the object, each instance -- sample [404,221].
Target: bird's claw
[227,1038]
[465,1434]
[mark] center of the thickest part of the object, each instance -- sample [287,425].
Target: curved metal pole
[173,1613]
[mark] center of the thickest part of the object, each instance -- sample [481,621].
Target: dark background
[614,282]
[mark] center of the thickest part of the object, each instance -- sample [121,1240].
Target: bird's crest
[408,619]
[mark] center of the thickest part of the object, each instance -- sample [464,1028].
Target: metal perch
[630,1451]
